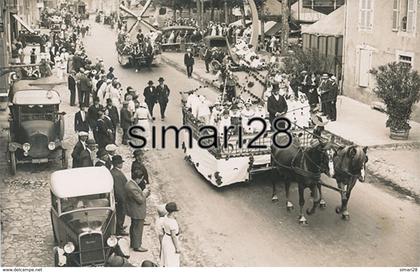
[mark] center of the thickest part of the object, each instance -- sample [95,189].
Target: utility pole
[285,26]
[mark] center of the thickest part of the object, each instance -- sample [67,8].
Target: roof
[178,28]
[36,97]
[81,181]
[331,25]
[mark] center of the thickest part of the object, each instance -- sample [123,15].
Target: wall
[381,42]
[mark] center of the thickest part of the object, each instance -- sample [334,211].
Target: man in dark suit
[71,83]
[87,155]
[102,156]
[112,113]
[120,194]
[81,121]
[163,92]
[126,122]
[332,98]
[84,86]
[78,148]
[276,105]
[136,210]
[323,90]
[189,62]
[138,169]
[93,116]
[150,97]
[207,59]
[104,130]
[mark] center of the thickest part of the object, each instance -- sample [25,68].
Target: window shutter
[364,67]
[395,15]
[369,14]
[411,16]
[361,13]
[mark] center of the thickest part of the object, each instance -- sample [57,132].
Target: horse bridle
[348,173]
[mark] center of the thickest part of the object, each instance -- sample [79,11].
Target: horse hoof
[274,198]
[322,204]
[345,217]
[289,206]
[338,210]
[303,221]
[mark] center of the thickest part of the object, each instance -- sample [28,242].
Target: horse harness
[298,170]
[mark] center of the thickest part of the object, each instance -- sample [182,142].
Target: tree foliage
[399,87]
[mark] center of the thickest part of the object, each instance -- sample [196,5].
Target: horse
[349,166]
[303,165]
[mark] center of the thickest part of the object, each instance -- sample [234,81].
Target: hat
[150,82]
[101,153]
[324,75]
[111,69]
[111,147]
[333,78]
[108,80]
[108,100]
[90,142]
[171,207]
[161,79]
[188,49]
[82,70]
[125,102]
[94,72]
[117,159]
[303,72]
[87,72]
[83,133]
[137,152]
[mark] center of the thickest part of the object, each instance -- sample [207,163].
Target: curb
[376,177]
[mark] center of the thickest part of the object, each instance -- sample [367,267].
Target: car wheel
[64,160]
[12,163]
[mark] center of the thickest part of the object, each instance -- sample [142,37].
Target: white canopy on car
[81,181]
[36,97]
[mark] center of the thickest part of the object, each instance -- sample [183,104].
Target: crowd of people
[106,111]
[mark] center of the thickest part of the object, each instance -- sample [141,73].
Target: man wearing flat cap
[162,96]
[111,150]
[120,196]
[150,97]
[79,147]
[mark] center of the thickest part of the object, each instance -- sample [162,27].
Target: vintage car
[83,216]
[36,127]
[214,42]
[171,40]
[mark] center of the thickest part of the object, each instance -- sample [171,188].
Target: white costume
[192,103]
[142,115]
[247,114]
[203,110]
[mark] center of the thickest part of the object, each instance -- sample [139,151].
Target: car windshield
[38,112]
[82,221]
[84,202]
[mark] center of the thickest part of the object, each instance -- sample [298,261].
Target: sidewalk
[390,161]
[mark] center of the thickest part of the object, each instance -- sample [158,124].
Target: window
[396,15]
[407,12]
[366,14]
[365,61]
[405,57]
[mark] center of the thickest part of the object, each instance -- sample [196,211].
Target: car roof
[178,28]
[81,181]
[36,97]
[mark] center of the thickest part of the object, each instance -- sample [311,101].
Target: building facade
[378,32]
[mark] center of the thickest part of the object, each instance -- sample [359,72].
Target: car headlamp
[112,241]
[26,147]
[69,247]
[51,145]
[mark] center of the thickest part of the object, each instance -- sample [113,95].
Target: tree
[398,85]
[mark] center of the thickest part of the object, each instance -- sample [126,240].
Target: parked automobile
[214,42]
[83,216]
[36,127]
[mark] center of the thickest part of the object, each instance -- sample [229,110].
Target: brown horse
[349,166]
[302,165]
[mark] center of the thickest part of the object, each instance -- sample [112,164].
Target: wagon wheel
[64,160]
[12,163]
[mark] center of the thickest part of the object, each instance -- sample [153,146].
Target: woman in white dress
[142,118]
[170,243]
[161,210]
[114,93]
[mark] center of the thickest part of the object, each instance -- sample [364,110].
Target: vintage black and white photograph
[210,133]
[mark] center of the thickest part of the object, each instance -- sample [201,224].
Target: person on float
[216,114]
[203,110]
[276,105]
[260,112]
[192,103]
[246,114]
